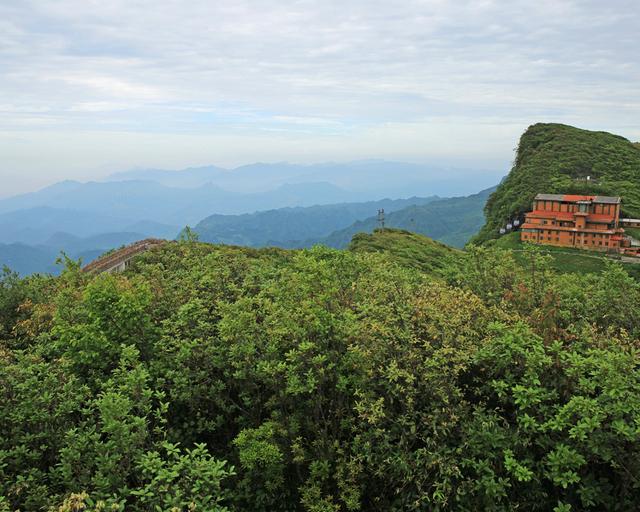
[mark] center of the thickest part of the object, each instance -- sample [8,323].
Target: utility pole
[381,217]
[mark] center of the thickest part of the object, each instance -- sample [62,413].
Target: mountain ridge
[281,226]
[449,220]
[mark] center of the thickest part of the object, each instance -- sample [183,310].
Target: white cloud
[279,70]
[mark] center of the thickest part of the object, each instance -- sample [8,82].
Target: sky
[92,87]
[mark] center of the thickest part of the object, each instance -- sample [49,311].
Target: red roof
[545,214]
[592,217]
[600,217]
[573,197]
[542,227]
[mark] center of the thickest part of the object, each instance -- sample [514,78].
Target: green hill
[408,249]
[281,226]
[555,158]
[452,221]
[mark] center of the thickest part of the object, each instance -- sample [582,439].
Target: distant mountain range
[42,224]
[27,259]
[149,201]
[286,226]
[84,219]
[363,180]
[450,220]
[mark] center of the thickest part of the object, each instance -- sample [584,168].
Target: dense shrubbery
[216,378]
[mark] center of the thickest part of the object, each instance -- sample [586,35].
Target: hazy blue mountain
[37,225]
[191,177]
[133,201]
[452,221]
[152,229]
[73,245]
[400,179]
[87,218]
[286,224]
[39,198]
[27,259]
[370,179]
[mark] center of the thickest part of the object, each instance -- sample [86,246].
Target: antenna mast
[381,217]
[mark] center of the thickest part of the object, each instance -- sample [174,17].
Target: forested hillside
[216,378]
[555,158]
[282,226]
[452,220]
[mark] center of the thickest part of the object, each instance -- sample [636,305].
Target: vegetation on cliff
[555,158]
[219,378]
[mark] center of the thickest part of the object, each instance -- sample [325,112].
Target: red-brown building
[586,222]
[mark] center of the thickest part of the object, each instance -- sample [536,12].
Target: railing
[121,256]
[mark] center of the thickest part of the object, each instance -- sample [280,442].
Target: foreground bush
[224,379]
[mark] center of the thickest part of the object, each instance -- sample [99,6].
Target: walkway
[117,261]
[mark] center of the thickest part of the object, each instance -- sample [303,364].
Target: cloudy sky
[88,87]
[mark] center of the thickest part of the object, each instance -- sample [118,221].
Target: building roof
[591,217]
[600,217]
[572,198]
[545,214]
[543,227]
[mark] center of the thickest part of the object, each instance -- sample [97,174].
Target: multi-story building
[587,222]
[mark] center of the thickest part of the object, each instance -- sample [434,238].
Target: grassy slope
[417,251]
[549,159]
[406,248]
[564,259]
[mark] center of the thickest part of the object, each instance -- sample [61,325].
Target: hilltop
[408,249]
[556,158]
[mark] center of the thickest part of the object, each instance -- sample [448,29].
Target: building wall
[574,231]
[583,239]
